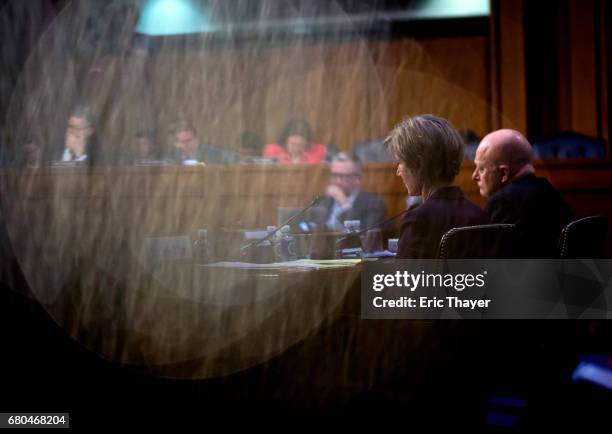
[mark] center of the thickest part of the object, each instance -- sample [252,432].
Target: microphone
[379,224]
[244,249]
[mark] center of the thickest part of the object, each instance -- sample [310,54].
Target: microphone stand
[244,249]
[380,224]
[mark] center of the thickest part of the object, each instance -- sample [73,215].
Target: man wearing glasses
[345,200]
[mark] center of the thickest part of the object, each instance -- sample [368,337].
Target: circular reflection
[79,232]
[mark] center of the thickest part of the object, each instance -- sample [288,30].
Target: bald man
[506,177]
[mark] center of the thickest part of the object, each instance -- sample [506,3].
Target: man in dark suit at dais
[506,176]
[80,144]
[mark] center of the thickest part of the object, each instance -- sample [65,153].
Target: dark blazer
[367,207]
[537,209]
[208,154]
[55,151]
[423,226]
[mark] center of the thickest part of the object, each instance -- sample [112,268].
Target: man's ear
[504,170]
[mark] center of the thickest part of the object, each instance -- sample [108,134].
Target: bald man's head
[502,156]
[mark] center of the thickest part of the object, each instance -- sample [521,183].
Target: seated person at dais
[141,147]
[30,154]
[344,199]
[188,150]
[506,177]
[79,143]
[295,145]
[250,148]
[429,151]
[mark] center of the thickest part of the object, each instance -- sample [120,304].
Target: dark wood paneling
[567,71]
[350,90]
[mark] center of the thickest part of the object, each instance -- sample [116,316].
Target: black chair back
[479,242]
[584,238]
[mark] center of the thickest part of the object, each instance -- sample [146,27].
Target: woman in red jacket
[295,145]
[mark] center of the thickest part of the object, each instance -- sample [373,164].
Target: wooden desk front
[178,200]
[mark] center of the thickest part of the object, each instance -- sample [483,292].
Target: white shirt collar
[67,156]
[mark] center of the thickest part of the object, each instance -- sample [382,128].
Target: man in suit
[79,139]
[344,199]
[506,176]
[189,151]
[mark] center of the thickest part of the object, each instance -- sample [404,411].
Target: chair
[478,242]
[569,145]
[584,238]
[372,151]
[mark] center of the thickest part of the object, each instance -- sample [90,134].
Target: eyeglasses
[343,175]
[76,129]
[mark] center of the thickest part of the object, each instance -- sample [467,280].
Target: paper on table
[301,263]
